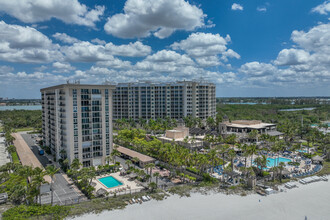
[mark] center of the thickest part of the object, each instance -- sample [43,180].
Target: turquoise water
[20,107]
[110,181]
[271,161]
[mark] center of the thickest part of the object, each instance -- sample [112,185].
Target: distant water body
[20,107]
[242,103]
[296,109]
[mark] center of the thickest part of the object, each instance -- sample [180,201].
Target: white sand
[311,200]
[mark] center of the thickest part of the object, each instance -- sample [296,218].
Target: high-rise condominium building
[77,121]
[159,100]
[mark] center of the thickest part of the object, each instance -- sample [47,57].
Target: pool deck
[303,167]
[128,186]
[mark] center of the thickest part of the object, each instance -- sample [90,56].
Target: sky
[249,48]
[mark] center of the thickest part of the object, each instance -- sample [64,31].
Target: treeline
[272,113]
[278,101]
[21,118]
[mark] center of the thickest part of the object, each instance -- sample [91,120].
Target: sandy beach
[312,201]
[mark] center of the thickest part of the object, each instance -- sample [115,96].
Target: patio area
[126,187]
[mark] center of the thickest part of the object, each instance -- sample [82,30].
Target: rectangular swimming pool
[110,181]
[272,162]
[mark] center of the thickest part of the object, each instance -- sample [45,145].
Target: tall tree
[51,171]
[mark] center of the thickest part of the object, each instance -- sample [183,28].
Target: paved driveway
[64,193]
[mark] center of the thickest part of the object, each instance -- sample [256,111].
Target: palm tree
[91,174]
[51,171]
[253,135]
[156,175]
[115,153]
[108,159]
[261,162]
[252,150]
[152,186]
[128,163]
[245,149]
[11,149]
[210,122]
[66,164]
[214,160]
[135,160]
[26,172]
[75,165]
[149,166]
[38,180]
[281,168]
[232,156]
[274,170]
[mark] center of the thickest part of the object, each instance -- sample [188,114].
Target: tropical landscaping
[223,158]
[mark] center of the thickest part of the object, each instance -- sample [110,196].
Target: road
[31,142]
[64,193]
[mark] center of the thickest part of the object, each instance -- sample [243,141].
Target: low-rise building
[180,135]
[246,126]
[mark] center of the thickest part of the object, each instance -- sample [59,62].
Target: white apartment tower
[77,122]
[159,100]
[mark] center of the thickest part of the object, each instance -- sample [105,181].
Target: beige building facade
[77,122]
[175,100]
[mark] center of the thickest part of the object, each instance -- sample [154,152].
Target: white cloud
[5,70]
[208,61]
[26,44]
[236,7]
[257,69]
[63,67]
[68,11]
[165,61]
[160,18]
[98,41]
[323,8]
[136,49]
[305,65]
[292,57]
[316,39]
[65,38]
[205,47]
[115,63]
[87,52]
[262,8]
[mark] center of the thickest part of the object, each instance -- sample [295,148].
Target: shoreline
[308,200]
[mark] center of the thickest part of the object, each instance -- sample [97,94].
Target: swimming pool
[271,161]
[110,181]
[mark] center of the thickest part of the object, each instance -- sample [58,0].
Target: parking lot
[64,192]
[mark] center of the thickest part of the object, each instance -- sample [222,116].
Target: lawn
[23,129]
[14,156]
[326,168]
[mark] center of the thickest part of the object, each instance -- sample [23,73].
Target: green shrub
[294,163]
[192,169]
[265,173]
[307,155]
[23,212]
[209,179]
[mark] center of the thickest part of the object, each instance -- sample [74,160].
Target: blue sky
[248,48]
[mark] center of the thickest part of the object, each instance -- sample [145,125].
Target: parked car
[41,152]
